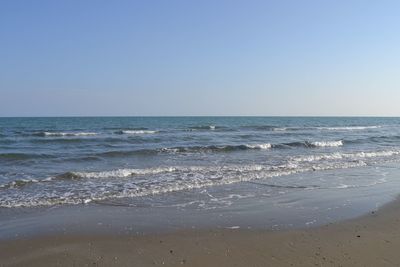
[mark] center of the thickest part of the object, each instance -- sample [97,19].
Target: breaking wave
[349,128]
[90,186]
[327,143]
[307,128]
[351,156]
[136,132]
[204,128]
[58,134]
[219,148]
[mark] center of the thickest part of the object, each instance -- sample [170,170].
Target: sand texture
[373,240]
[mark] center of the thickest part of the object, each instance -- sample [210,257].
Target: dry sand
[373,240]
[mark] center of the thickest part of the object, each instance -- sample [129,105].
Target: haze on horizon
[80,58]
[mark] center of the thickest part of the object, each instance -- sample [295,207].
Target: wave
[159,180]
[188,149]
[182,149]
[376,139]
[18,183]
[349,128]
[126,153]
[119,173]
[215,173]
[307,128]
[219,148]
[308,144]
[181,178]
[352,156]
[124,128]
[259,146]
[136,132]
[58,140]
[216,148]
[264,128]
[58,134]
[203,127]
[105,141]
[286,186]
[327,143]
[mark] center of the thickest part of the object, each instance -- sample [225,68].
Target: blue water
[149,160]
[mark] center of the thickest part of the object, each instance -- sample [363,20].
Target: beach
[199,191]
[371,240]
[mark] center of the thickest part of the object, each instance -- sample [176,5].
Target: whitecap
[67,133]
[327,143]
[260,146]
[137,132]
[349,128]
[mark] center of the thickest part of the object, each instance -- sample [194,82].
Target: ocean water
[199,163]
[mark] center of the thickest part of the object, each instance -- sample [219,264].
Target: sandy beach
[371,240]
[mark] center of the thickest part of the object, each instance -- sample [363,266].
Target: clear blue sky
[214,57]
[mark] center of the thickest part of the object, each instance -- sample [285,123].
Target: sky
[171,58]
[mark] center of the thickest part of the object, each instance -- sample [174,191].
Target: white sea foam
[346,186]
[68,133]
[186,178]
[168,149]
[121,173]
[138,132]
[233,227]
[377,154]
[349,128]
[280,129]
[260,146]
[202,128]
[180,178]
[104,185]
[327,143]
[351,156]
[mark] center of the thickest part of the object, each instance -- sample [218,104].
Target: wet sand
[372,240]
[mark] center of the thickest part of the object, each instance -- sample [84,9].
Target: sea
[227,165]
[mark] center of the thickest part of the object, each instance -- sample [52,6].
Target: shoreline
[370,240]
[296,209]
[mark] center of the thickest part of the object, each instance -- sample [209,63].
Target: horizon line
[216,116]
